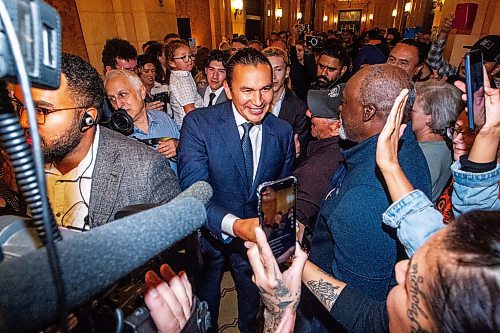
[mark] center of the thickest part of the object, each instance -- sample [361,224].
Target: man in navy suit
[235,146]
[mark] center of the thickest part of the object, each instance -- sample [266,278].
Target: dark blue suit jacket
[210,150]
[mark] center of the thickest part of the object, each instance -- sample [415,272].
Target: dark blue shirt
[350,241]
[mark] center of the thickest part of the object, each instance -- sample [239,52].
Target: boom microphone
[92,261]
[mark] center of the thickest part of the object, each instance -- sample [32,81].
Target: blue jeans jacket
[416,219]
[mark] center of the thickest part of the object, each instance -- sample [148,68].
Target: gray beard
[342,133]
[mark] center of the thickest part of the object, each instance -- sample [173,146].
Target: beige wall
[135,21]
[198,11]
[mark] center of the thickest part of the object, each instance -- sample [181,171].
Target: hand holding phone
[474,86]
[277,216]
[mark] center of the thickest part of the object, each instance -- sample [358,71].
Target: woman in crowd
[184,96]
[436,107]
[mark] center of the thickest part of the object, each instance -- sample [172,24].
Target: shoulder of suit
[278,123]
[209,113]
[295,101]
[125,145]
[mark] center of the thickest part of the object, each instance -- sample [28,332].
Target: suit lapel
[229,133]
[266,151]
[105,182]
[222,97]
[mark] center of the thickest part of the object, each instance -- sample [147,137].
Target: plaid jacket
[435,59]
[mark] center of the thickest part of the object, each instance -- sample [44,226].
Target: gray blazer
[221,99]
[126,173]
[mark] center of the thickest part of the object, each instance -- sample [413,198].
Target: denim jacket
[416,219]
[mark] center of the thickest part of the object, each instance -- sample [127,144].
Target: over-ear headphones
[87,121]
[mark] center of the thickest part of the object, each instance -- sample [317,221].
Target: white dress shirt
[277,107]
[208,91]
[69,194]
[256,140]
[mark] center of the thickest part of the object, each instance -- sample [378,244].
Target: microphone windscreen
[91,262]
[200,190]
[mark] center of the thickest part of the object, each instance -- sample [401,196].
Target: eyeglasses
[186,57]
[453,132]
[41,112]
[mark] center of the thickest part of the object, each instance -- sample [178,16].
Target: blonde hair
[273,51]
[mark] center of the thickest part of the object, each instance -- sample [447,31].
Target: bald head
[368,98]
[381,85]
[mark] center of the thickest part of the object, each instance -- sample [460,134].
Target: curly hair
[117,48]
[84,83]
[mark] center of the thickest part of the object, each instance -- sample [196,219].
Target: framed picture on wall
[349,20]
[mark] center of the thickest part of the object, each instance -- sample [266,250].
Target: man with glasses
[333,63]
[119,54]
[323,155]
[91,171]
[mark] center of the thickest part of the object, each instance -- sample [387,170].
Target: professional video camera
[315,42]
[42,276]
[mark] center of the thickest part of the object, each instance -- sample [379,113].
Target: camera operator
[126,91]
[86,164]
[156,93]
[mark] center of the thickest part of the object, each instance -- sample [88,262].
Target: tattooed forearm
[415,313]
[326,292]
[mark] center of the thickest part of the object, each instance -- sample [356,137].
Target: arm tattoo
[324,291]
[415,309]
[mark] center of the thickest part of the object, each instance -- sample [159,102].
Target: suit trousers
[215,254]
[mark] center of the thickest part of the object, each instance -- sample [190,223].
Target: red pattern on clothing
[443,204]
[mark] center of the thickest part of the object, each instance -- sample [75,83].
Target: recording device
[315,42]
[474,86]
[38,28]
[162,97]
[277,215]
[192,42]
[121,122]
[94,261]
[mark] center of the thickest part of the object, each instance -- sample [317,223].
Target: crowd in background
[372,125]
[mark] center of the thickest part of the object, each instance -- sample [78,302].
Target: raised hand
[279,291]
[387,145]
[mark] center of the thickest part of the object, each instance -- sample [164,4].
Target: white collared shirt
[277,107]
[256,140]
[69,194]
[206,97]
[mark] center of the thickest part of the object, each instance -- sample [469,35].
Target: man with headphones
[92,172]
[126,94]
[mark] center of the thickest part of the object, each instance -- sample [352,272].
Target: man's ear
[107,68]
[342,71]
[334,127]
[369,111]
[227,90]
[287,72]
[418,69]
[142,92]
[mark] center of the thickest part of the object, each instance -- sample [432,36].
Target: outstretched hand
[169,300]
[387,145]
[280,292]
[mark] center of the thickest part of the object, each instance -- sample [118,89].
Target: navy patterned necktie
[246,146]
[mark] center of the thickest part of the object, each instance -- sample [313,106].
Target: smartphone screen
[277,216]
[474,82]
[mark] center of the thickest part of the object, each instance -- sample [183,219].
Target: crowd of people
[397,197]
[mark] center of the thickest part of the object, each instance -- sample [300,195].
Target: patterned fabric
[443,204]
[435,59]
[183,92]
[246,145]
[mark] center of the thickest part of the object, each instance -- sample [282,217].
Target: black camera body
[315,42]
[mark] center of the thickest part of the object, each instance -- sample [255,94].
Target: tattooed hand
[279,291]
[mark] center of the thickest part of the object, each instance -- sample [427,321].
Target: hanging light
[407,7]
[394,12]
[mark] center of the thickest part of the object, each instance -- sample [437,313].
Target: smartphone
[277,215]
[474,86]
[192,42]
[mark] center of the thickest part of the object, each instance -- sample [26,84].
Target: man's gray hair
[442,101]
[134,80]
